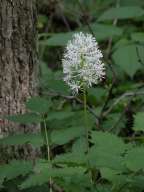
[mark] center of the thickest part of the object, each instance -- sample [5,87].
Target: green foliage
[38,104]
[135,158]
[64,136]
[34,139]
[43,171]
[25,118]
[138,37]
[59,39]
[115,118]
[131,63]
[104,31]
[122,13]
[139,122]
[14,169]
[106,141]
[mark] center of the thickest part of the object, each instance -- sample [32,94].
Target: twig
[127,94]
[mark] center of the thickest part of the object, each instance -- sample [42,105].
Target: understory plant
[76,152]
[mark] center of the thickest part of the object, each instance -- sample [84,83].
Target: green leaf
[45,70]
[79,145]
[107,151]
[35,139]
[96,95]
[122,13]
[59,115]
[14,169]
[134,159]
[127,59]
[104,31]
[74,158]
[64,136]
[58,39]
[107,141]
[76,183]
[132,2]
[43,171]
[138,37]
[54,82]
[38,104]
[100,158]
[27,118]
[113,176]
[139,122]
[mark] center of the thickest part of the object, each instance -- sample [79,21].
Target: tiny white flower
[82,65]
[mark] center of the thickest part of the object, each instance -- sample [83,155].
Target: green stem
[48,151]
[86,130]
[86,119]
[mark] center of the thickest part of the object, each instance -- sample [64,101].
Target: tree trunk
[18,60]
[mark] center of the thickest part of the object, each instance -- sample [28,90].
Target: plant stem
[85,118]
[48,151]
[86,131]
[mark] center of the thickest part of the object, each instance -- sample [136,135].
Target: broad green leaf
[80,145]
[104,31]
[107,141]
[134,159]
[127,59]
[45,70]
[108,173]
[121,43]
[107,151]
[44,171]
[113,176]
[100,158]
[64,136]
[139,122]
[14,169]
[59,115]
[131,2]
[138,37]
[35,139]
[67,119]
[57,86]
[27,118]
[74,158]
[58,39]
[38,104]
[76,183]
[122,13]
[53,81]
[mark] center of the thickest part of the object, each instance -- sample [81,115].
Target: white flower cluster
[82,65]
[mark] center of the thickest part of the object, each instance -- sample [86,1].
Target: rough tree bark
[18,59]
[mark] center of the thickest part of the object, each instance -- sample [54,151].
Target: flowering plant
[82,65]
